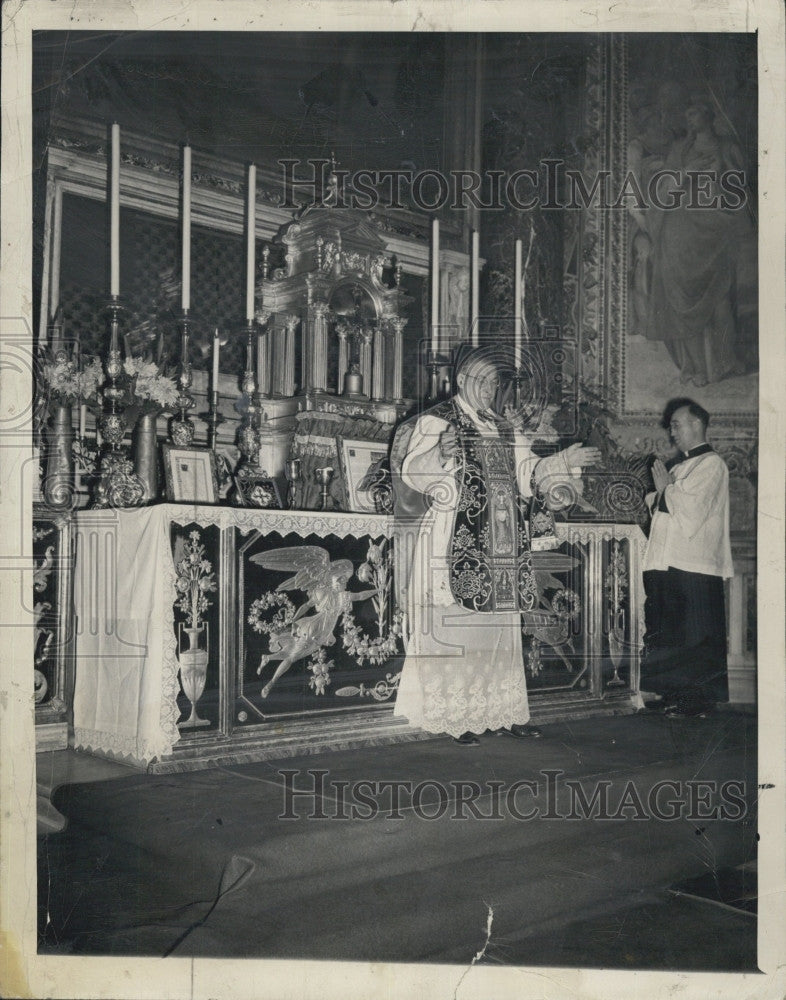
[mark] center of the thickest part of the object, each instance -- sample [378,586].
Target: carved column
[365,359]
[395,359]
[343,357]
[378,372]
[264,361]
[277,356]
[288,356]
[315,348]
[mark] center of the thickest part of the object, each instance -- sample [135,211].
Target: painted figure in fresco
[702,259]
[462,479]
[688,557]
[324,582]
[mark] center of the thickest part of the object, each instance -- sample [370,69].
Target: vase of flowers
[63,385]
[195,579]
[193,674]
[151,393]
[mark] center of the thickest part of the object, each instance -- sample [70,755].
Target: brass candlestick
[118,486]
[293,473]
[181,431]
[213,418]
[252,483]
[248,435]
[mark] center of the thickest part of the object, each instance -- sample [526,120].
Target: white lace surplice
[464,670]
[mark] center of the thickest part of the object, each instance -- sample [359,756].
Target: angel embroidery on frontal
[325,583]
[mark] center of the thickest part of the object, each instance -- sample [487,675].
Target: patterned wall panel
[150,281]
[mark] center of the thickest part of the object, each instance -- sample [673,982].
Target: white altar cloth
[125,653]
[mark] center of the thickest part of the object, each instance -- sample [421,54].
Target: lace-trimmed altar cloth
[126,664]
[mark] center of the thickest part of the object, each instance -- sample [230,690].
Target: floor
[226,863]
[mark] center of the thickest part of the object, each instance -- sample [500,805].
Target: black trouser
[685,638]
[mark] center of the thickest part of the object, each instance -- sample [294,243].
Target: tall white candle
[82,421]
[114,214]
[216,345]
[435,285]
[186,286]
[475,289]
[517,301]
[251,241]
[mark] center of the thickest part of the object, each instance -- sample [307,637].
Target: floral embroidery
[467,583]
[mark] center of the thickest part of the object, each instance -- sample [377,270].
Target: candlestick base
[255,488]
[118,486]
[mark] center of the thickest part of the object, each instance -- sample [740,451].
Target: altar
[185,613]
[212,624]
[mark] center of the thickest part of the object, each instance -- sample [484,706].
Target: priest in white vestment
[462,482]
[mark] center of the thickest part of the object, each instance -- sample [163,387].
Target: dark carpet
[203,864]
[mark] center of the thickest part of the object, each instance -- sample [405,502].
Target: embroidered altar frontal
[206,628]
[207,635]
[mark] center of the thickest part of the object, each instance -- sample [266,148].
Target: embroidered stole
[490,560]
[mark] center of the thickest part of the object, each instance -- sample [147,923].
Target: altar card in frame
[191,475]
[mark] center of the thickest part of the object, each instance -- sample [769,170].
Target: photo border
[24,972]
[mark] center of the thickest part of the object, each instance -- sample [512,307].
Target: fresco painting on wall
[692,323]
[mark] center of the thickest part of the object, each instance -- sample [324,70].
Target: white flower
[150,384]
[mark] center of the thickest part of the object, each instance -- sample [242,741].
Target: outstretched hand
[514,417]
[578,456]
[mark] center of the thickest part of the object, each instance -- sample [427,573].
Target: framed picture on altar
[366,472]
[191,475]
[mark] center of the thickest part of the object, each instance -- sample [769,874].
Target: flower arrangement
[65,384]
[149,389]
[195,579]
